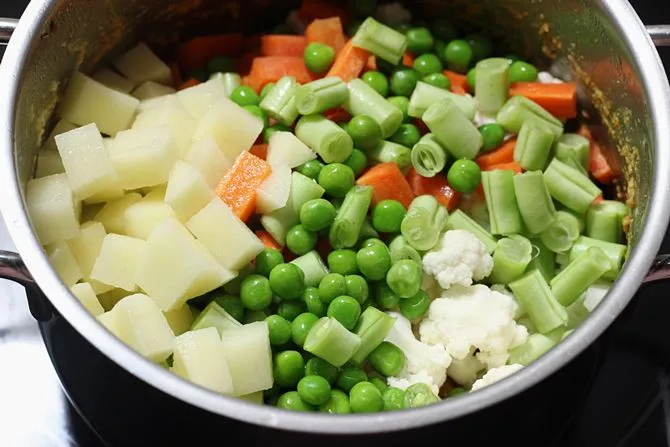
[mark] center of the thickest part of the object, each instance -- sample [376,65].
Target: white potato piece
[187,191]
[149,104]
[143,157]
[140,64]
[175,267]
[169,112]
[207,158]
[156,192]
[151,89]
[104,197]
[64,263]
[112,79]
[180,320]
[86,296]
[86,246]
[87,101]
[48,163]
[61,126]
[143,216]
[53,209]
[113,214]
[273,193]
[87,162]
[110,321]
[117,262]
[233,128]
[254,398]
[109,298]
[199,358]
[226,237]
[143,327]
[249,357]
[199,99]
[284,148]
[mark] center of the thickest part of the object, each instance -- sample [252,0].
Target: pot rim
[652,73]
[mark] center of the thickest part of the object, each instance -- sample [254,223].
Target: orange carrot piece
[407,60]
[337,115]
[558,99]
[504,154]
[458,81]
[260,151]
[283,45]
[371,64]
[188,84]
[598,199]
[437,187]
[267,240]
[350,62]
[197,52]
[268,69]
[177,79]
[238,187]
[458,90]
[327,31]
[600,166]
[509,166]
[388,183]
[321,9]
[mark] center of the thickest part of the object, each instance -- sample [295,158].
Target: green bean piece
[535,347]
[291,401]
[492,85]
[230,81]
[511,258]
[425,95]
[428,157]
[424,222]
[400,249]
[571,160]
[368,231]
[312,268]
[346,310]
[332,342]
[321,95]
[364,397]
[318,57]
[346,228]
[562,233]
[381,40]
[570,187]
[518,110]
[280,103]
[616,253]
[419,395]
[604,221]
[374,261]
[404,278]
[534,201]
[350,376]
[533,146]
[579,275]
[501,202]
[288,368]
[390,152]
[373,326]
[534,295]
[543,260]
[572,144]
[394,399]
[458,220]
[337,404]
[364,100]
[453,129]
[330,141]
[319,367]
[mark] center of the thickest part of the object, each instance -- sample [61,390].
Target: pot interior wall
[574,38]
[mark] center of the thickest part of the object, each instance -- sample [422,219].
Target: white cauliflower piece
[495,374]
[465,371]
[547,78]
[474,317]
[425,364]
[459,258]
[501,288]
[393,14]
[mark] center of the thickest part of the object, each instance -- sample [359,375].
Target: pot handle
[7,27]
[13,269]
[660,35]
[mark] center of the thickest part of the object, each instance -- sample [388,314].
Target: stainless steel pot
[599,43]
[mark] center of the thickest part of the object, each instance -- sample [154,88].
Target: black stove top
[621,392]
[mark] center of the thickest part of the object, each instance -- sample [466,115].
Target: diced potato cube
[152,103]
[175,267]
[113,214]
[63,262]
[199,358]
[87,162]
[156,192]
[187,192]
[169,112]
[140,64]
[284,148]
[53,210]
[249,357]
[180,320]
[87,101]
[110,321]
[274,191]
[233,128]
[61,126]
[117,263]
[143,216]
[144,328]
[226,237]
[86,246]
[199,99]
[143,157]
[112,79]
[86,296]
[207,158]
[254,398]
[151,89]
[48,163]
[109,298]
[100,288]
[106,196]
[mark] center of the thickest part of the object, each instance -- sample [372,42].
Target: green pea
[198,74]
[221,64]
[438,80]
[287,281]
[374,261]
[280,330]
[233,305]
[337,404]
[288,368]
[372,241]
[256,293]
[342,261]
[364,131]
[481,46]
[419,395]
[331,286]
[428,64]
[493,135]
[313,302]
[404,278]
[289,310]
[346,310]
[350,376]
[415,307]
[268,87]
[245,96]
[362,8]
[319,57]
[317,214]
[254,316]
[319,367]
[403,81]
[364,397]
[379,383]
[458,55]
[357,161]
[314,390]
[268,259]
[357,287]
[387,216]
[301,326]
[258,112]
[407,135]
[443,29]
[387,359]
[522,72]
[311,169]
[419,40]
[384,296]
[377,80]
[456,391]
[267,133]
[471,76]
[300,240]
[464,176]
[337,179]
[394,399]
[291,401]
[401,102]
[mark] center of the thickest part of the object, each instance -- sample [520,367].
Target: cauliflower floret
[425,364]
[547,78]
[474,317]
[465,371]
[393,14]
[459,258]
[496,374]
